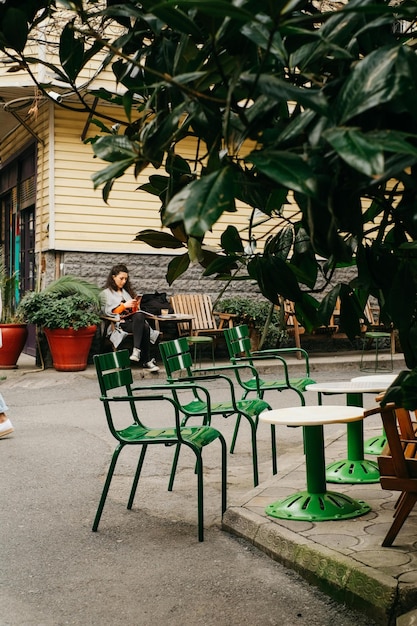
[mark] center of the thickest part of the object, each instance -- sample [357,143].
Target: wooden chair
[199,305]
[120,400]
[398,464]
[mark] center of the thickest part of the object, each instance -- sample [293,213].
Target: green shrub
[255,314]
[67,303]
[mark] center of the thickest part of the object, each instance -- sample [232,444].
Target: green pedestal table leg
[375,445]
[316,503]
[355,469]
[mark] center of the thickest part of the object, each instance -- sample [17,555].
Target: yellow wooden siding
[83,221]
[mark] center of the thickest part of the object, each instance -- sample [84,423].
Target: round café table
[315,503]
[355,468]
[375,445]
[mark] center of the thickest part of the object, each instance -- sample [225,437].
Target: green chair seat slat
[296,383]
[249,406]
[197,435]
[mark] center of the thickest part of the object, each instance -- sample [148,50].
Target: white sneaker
[135,356]
[154,334]
[6,428]
[151,366]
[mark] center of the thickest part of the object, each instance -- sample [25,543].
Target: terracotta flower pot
[14,338]
[70,348]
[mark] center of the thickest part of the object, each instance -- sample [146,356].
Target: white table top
[313,415]
[176,317]
[377,378]
[348,386]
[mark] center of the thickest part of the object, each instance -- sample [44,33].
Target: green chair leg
[137,475]
[106,486]
[174,466]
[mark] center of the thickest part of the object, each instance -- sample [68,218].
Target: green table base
[317,507]
[352,472]
[375,445]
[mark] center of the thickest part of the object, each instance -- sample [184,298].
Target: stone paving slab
[343,557]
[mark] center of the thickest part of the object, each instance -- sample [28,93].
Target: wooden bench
[204,318]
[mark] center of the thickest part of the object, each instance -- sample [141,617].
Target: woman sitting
[121,304]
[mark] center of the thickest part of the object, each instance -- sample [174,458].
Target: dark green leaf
[115,148]
[200,204]
[221,265]
[14,29]
[372,82]
[231,241]
[158,239]
[287,169]
[275,278]
[283,90]
[71,52]
[357,150]
[111,172]
[177,267]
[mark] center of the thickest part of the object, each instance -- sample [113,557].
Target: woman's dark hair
[115,270]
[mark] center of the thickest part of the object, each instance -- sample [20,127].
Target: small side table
[315,503]
[355,468]
[375,445]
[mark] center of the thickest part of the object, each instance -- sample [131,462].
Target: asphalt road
[143,567]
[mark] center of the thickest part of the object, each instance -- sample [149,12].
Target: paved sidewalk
[344,558]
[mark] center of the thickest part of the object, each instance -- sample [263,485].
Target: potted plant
[67,311]
[12,328]
[264,323]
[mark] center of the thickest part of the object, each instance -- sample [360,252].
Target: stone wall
[147,273]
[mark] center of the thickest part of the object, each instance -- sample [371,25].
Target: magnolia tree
[313,101]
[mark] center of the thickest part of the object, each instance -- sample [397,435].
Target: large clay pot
[14,338]
[70,348]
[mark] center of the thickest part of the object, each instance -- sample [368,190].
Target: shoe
[154,334]
[6,428]
[151,366]
[135,356]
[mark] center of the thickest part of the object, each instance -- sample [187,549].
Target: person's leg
[5,424]
[145,342]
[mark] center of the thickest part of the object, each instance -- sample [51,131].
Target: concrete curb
[363,588]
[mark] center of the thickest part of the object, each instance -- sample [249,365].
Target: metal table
[315,503]
[355,468]
[375,445]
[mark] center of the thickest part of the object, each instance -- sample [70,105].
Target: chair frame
[114,372]
[177,359]
[398,464]
[238,345]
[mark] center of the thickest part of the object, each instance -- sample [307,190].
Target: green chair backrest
[176,356]
[238,341]
[113,371]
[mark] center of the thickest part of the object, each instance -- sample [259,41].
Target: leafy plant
[68,302]
[256,314]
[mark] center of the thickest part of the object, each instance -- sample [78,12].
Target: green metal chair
[177,360]
[115,377]
[238,345]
